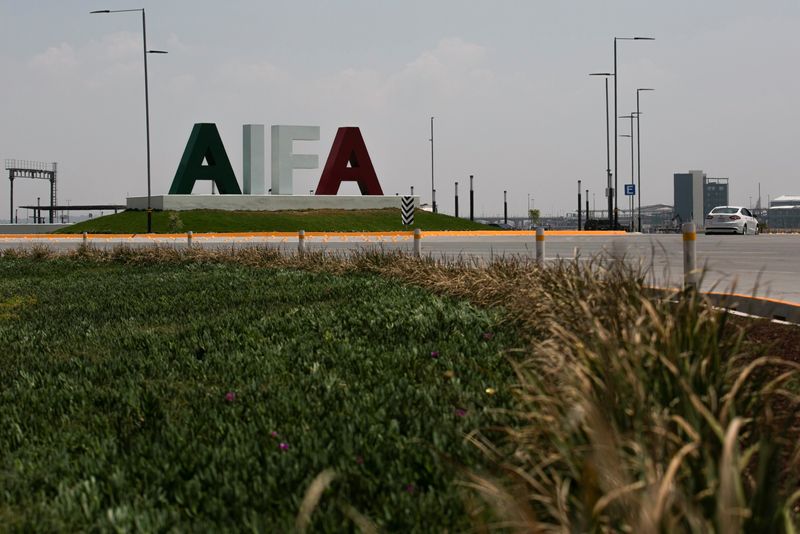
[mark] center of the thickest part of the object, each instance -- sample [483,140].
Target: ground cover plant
[199,221]
[627,412]
[205,396]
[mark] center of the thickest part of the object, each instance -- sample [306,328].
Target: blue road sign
[630,190]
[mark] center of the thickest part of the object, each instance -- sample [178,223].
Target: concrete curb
[429,233]
[764,307]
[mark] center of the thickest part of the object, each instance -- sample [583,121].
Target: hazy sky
[506,80]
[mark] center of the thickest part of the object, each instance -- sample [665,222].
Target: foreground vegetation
[625,413]
[200,221]
[203,396]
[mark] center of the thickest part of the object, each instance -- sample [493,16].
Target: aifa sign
[205,158]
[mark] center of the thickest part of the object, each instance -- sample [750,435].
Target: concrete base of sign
[266,202]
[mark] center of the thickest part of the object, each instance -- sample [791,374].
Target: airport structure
[696,194]
[784,212]
[36,170]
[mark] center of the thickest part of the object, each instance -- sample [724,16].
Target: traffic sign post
[407,211]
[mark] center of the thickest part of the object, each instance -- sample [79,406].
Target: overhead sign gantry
[36,170]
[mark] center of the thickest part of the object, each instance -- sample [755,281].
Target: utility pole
[579,205]
[505,207]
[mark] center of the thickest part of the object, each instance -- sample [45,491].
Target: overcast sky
[506,80]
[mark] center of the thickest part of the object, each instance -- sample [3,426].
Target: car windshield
[725,210]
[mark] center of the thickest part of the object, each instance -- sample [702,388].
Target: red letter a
[349,147]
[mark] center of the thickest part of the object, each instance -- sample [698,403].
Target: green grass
[113,410]
[135,222]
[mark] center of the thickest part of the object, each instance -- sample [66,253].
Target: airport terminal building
[696,194]
[784,212]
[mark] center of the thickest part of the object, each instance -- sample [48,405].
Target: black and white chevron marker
[407,209]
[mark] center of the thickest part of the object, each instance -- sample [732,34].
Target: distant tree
[534,215]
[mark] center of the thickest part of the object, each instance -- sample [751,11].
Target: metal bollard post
[301,241]
[689,255]
[85,239]
[540,245]
[417,243]
[189,238]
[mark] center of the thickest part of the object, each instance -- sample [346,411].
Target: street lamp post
[616,133]
[639,153]
[433,187]
[633,174]
[609,188]
[471,199]
[505,207]
[456,199]
[579,205]
[587,206]
[146,100]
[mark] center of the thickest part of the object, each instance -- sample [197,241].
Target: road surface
[763,265]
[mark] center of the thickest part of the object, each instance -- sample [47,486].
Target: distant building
[784,212]
[696,194]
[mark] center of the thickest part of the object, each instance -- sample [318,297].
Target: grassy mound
[199,221]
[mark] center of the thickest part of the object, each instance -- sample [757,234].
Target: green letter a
[205,144]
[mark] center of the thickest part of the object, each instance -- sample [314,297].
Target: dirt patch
[776,339]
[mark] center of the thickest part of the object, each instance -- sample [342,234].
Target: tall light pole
[616,111]
[433,196]
[146,101]
[609,188]
[633,174]
[639,153]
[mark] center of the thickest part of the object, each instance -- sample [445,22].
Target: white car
[731,220]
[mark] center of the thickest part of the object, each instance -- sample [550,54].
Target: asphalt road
[763,265]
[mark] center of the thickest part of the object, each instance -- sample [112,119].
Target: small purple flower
[273,434]
[283,446]
[461,412]
[230,396]
[360,460]
[410,489]
[434,354]
[487,336]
